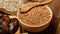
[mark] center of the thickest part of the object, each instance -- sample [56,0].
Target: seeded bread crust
[7,12]
[10,6]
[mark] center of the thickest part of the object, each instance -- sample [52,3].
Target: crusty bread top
[10,5]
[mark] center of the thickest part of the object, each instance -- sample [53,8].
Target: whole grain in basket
[37,15]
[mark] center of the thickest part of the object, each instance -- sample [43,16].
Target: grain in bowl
[35,19]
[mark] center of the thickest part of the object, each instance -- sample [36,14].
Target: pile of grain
[36,16]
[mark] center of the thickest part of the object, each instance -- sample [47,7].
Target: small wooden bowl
[36,28]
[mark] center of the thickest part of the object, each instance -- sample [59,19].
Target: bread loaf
[10,6]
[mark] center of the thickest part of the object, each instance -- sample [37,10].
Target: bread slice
[10,6]
[7,12]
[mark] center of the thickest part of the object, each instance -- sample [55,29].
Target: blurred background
[55,6]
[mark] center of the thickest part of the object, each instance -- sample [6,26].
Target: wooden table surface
[54,27]
[55,6]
